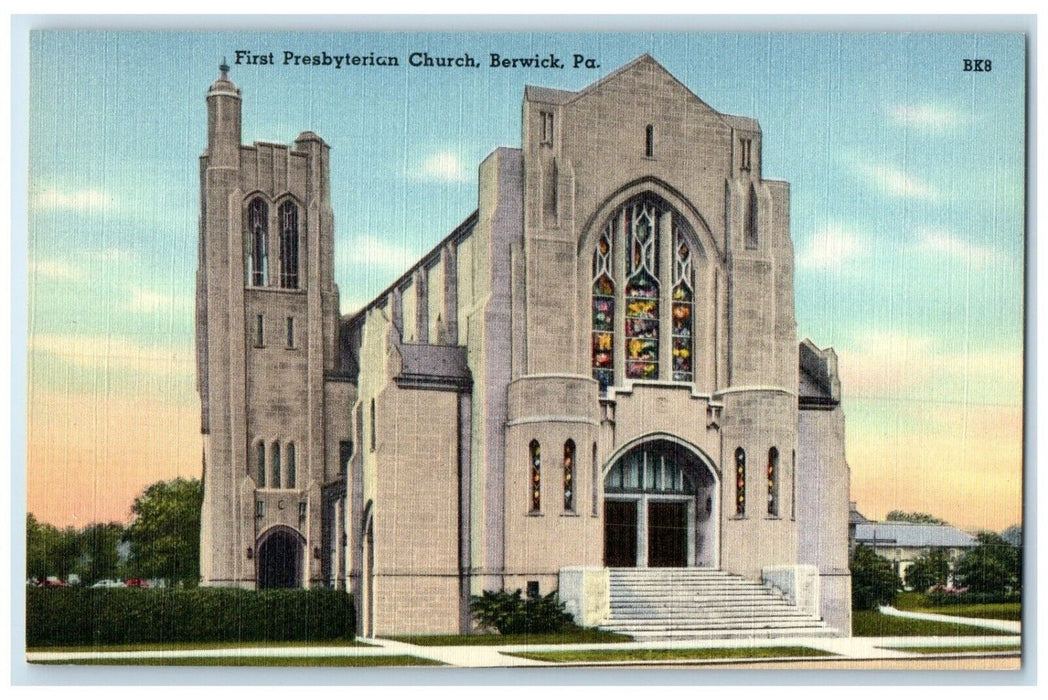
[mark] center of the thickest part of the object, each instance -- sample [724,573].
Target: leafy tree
[930,569]
[165,533]
[99,553]
[49,550]
[874,581]
[995,566]
[901,516]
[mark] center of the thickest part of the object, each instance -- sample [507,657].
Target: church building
[596,374]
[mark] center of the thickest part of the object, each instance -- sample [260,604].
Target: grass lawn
[580,635]
[870,623]
[181,646]
[957,650]
[388,660]
[987,611]
[598,655]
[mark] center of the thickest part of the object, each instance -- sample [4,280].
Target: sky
[907,216]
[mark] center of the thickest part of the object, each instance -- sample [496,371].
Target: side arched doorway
[280,559]
[661,507]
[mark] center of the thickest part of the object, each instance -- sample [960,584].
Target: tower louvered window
[257,229]
[288,217]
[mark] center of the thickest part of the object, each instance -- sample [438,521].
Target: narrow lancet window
[649,141]
[291,475]
[751,219]
[257,215]
[740,482]
[683,298]
[773,481]
[603,312]
[642,292]
[569,476]
[535,480]
[288,216]
[260,464]
[275,465]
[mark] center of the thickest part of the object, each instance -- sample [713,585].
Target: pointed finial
[224,68]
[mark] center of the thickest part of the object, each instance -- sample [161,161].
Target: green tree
[99,553]
[902,516]
[874,581]
[930,569]
[995,566]
[49,550]
[165,533]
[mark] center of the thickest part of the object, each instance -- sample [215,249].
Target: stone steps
[667,604]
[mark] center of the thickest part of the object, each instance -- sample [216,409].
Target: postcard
[545,349]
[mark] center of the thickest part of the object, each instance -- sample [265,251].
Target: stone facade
[598,367]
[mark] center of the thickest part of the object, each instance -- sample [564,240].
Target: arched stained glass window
[683,297]
[773,481]
[535,480]
[288,217]
[569,475]
[603,311]
[257,228]
[291,467]
[260,464]
[740,481]
[642,291]
[274,458]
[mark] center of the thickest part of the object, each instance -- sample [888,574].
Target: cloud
[81,200]
[375,252]
[832,249]
[941,244]
[111,352]
[927,116]
[55,269]
[148,301]
[894,181]
[444,166]
[895,364]
[111,255]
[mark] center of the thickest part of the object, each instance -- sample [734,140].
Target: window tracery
[288,217]
[257,226]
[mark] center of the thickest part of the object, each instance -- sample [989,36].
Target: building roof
[854,516]
[898,534]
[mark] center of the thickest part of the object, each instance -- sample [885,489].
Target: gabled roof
[899,534]
[562,97]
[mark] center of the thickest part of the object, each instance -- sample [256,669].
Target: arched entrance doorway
[661,507]
[280,559]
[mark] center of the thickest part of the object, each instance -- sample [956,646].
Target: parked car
[108,583]
[136,583]
[53,582]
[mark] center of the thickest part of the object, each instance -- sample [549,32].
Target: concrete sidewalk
[999,625]
[858,648]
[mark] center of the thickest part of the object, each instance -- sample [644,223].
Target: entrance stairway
[662,604]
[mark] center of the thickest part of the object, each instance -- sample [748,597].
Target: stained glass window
[603,312]
[649,470]
[642,292]
[683,297]
[569,475]
[257,215]
[288,245]
[536,476]
[275,465]
[740,482]
[773,481]
[260,463]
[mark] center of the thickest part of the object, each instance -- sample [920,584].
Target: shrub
[510,613]
[941,598]
[71,616]
[874,581]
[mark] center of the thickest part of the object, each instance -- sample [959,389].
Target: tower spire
[224,68]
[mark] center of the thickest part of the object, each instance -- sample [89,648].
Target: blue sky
[907,180]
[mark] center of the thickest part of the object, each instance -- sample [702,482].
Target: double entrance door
[664,532]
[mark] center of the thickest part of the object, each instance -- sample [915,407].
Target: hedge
[76,616]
